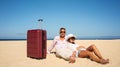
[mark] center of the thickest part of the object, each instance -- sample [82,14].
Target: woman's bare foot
[104,61]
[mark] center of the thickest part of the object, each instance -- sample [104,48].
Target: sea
[79,38]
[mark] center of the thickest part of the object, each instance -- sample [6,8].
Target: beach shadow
[53,52]
[37,58]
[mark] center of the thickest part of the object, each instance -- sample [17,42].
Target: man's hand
[48,52]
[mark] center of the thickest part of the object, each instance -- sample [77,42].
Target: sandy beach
[13,54]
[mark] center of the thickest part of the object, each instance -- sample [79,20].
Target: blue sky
[80,17]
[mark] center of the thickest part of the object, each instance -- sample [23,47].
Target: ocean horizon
[79,38]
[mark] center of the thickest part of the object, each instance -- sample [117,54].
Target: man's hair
[62,28]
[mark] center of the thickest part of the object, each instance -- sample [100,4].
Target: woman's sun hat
[70,35]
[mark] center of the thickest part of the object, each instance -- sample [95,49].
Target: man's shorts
[64,53]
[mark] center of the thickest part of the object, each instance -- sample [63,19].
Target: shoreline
[51,39]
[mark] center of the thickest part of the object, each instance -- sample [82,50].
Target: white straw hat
[70,35]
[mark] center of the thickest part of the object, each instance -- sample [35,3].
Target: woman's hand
[80,47]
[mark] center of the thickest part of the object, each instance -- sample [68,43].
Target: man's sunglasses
[62,32]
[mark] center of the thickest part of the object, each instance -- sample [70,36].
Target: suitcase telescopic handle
[40,20]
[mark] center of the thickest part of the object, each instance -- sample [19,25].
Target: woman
[92,52]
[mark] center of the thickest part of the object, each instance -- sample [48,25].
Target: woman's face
[62,33]
[72,40]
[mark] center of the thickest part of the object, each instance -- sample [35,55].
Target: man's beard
[62,36]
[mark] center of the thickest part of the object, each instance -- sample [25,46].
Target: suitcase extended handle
[40,20]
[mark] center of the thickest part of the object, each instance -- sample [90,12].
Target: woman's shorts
[79,50]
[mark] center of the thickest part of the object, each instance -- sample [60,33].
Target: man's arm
[52,46]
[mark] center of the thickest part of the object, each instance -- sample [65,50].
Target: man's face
[62,33]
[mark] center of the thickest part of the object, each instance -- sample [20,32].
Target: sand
[13,54]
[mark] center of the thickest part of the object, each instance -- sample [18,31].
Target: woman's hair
[71,38]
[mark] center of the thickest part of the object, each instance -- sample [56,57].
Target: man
[59,43]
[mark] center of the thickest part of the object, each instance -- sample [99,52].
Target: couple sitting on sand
[67,49]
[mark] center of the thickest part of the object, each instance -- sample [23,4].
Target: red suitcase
[36,43]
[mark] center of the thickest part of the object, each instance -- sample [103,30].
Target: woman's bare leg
[93,57]
[84,54]
[94,49]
